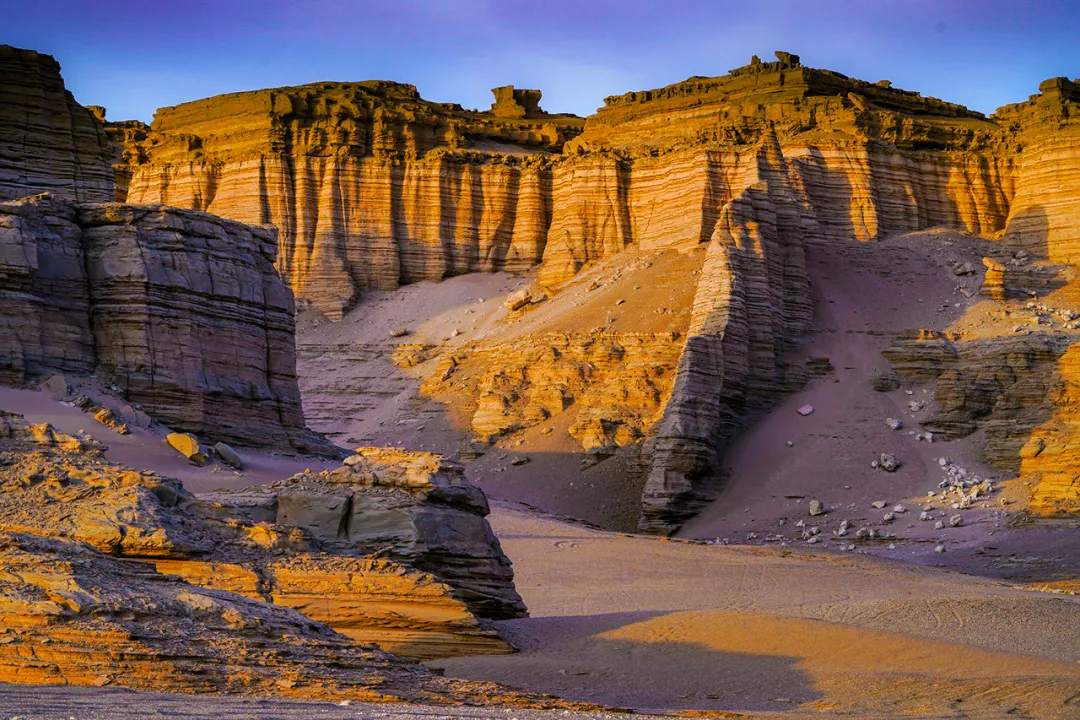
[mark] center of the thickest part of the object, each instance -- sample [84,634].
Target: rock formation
[755,166]
[418,568]
[511,102]
[369,185]
[181,310]
[48,142]
[416,504]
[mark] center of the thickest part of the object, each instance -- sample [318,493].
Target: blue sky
[134,57]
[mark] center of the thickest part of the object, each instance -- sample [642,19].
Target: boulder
[228,456]
[57,385]
[518,299]
[993,285]
[187,446]
[110,420]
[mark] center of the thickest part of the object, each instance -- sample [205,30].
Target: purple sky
[134,57]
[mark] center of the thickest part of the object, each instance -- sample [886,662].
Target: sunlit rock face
[369,184]
[125,576]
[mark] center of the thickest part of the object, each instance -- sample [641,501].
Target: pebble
[878,504]
[939,525]
[939,549]
[817,507]
[956,520]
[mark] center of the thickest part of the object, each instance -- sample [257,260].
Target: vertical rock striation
[751,302]
[370,185]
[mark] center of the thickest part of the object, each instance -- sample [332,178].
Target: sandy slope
[863,294]
[352,392]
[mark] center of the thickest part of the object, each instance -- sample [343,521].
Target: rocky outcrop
[181,310]
[751,302]
[416,506]
[70,614]
[613,383]
[48,142]
[1001,385]
[369,185]
[372,586]
[1050,458]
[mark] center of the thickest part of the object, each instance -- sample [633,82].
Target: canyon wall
[372,186]
[182,311]
[369,185]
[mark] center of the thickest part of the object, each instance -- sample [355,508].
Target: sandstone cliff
[181,310]
[48,142]
[370,185]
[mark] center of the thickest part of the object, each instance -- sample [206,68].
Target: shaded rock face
[752,301]
[418,506]
[48,142]
[62,503]
[369,185]
[182,310]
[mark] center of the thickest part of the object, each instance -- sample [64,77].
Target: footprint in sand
[566,545]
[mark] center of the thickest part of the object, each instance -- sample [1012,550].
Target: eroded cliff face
[48,142]
[181,310]
[370,185]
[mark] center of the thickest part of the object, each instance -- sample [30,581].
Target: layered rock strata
[416,505]
[1005,386]
[371,588]
[370,185]
[48,142]
[181,310]
[1050,458]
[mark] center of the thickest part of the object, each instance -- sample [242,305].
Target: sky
[134,57]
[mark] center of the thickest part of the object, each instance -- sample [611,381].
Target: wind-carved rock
[406,511]
[751,302]
[369,185]
[415,503]
[511,102]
